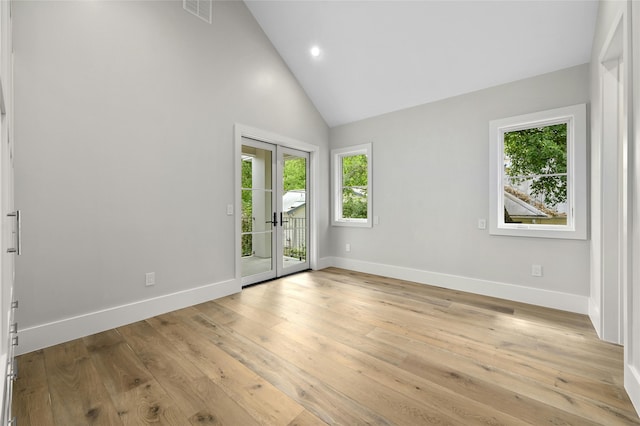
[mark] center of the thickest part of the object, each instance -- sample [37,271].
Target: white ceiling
[383,56]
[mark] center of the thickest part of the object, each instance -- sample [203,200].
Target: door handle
[282,222]
[18,248]
[274,222]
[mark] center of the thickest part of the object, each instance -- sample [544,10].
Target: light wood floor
[333,347]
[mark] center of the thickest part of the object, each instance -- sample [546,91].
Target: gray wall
[431,172]
[124,156]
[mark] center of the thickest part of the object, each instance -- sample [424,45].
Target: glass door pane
[257,234]
[293,233]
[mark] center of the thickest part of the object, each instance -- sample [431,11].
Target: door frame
[632,313]
[8,224]
[244,131]
[610,177]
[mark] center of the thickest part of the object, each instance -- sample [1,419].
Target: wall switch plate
[482,223]
[536,270]
[347,248]
[149,279]
[229,209]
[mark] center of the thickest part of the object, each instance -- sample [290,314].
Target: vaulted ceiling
[381,56]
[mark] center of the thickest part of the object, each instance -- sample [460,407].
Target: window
[538,174]
[201,8]
[352,186]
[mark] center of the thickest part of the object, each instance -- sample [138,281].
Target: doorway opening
[275,209]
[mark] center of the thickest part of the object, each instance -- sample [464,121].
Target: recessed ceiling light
[315,51]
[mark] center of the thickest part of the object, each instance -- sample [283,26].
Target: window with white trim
[351,178]
[538,174]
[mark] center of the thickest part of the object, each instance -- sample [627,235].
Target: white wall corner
[594,316]
[53,333]
[534,296]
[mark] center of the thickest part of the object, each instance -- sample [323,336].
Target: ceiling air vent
[200,8]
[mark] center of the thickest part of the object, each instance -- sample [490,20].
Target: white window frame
[576,118]
[336,172]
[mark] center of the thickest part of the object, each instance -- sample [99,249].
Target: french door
[275,206]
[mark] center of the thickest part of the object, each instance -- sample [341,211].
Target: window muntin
[352,186]
[538,174]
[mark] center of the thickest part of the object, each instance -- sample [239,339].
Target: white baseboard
[534,296]
[53,333]
[325,262]
[632,385]
[594,316]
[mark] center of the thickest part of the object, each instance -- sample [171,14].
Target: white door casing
[632,302]
[610,218]
[9,223]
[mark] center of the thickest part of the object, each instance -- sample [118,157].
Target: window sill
[354,223]
[538,231]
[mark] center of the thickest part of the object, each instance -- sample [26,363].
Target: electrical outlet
[347,248]
[482,223]
[149,279]
[229,209]
[376,220]
[536,270]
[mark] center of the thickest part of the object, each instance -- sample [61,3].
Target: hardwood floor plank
[492,358]
[496,374]
[549,317]
[264,402]
[77,393]
[148,404]
[262,316]
[32,402]
[31,371]
[177,376]
[324,401]
[464,410]
[138,398]
[116,361]
[306,419]
[376,396]
[508,401]
[529,351]
[333,347]
[492,326]
[462,328]
[341,327]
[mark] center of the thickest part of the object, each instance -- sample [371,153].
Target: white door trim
[610,216]
[632,312]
